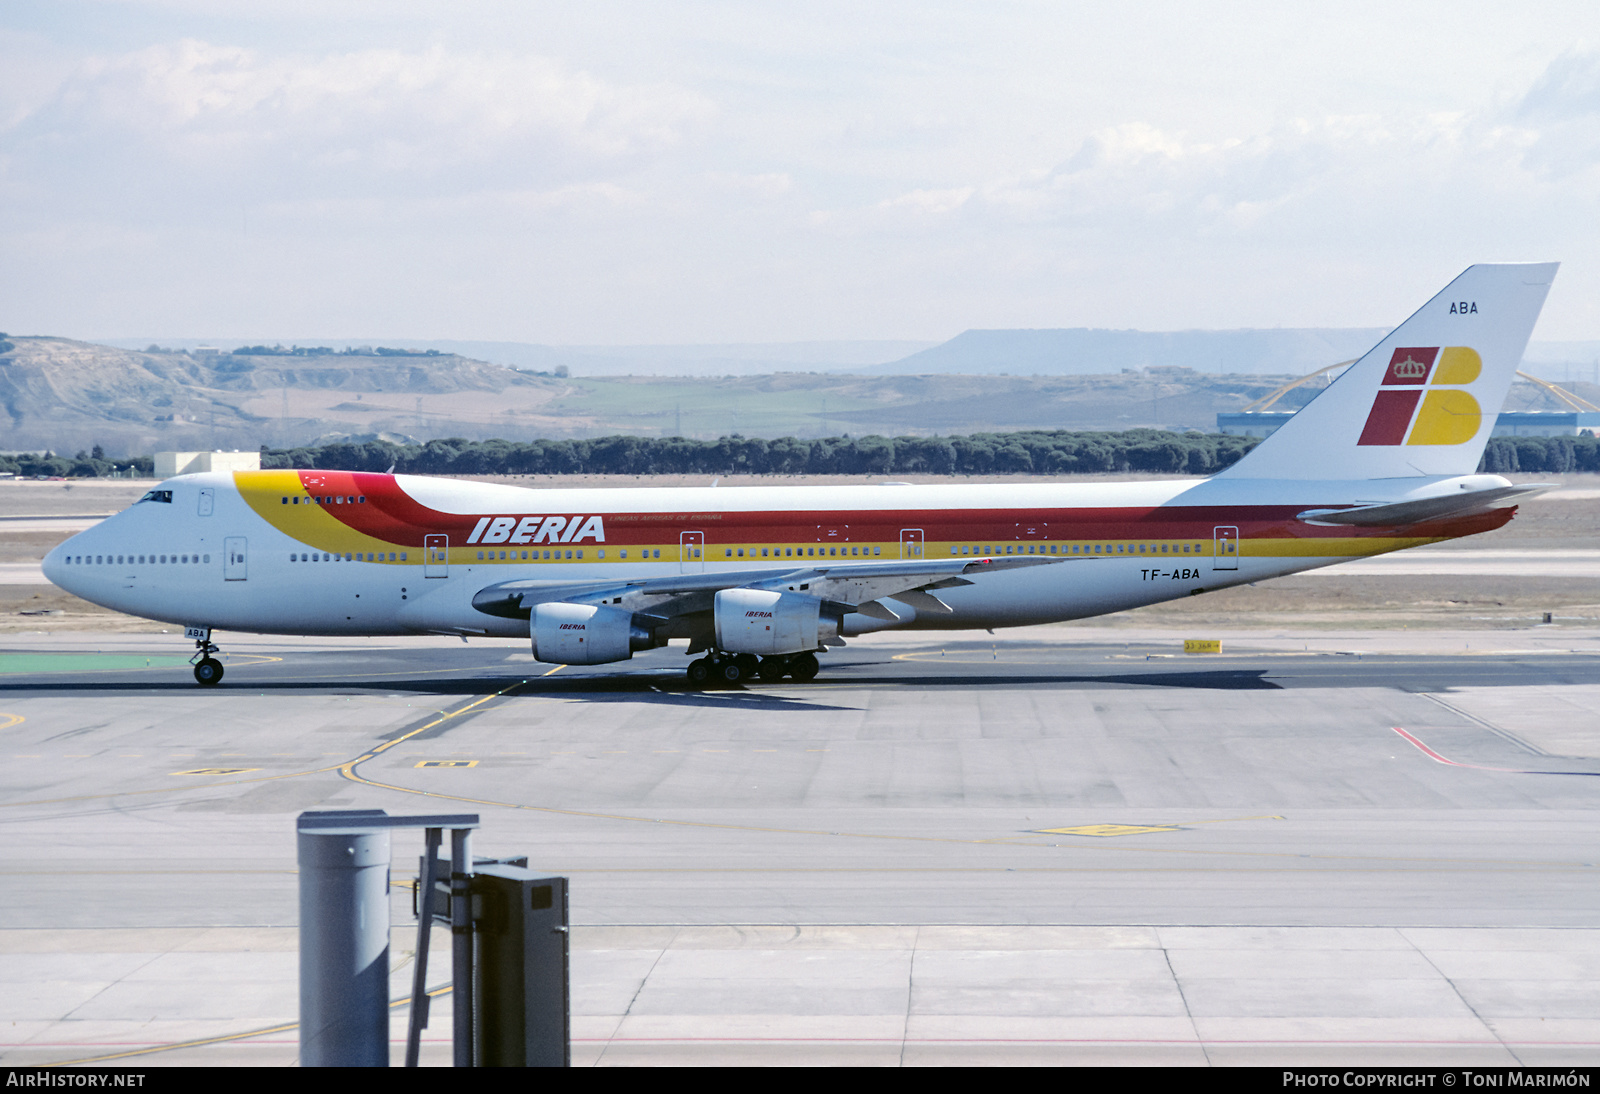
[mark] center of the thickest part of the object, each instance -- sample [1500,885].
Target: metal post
[344,933]
[464,999]
[419,972]
[344,947]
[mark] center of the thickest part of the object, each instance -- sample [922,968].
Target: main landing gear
[207,669]
[723,669]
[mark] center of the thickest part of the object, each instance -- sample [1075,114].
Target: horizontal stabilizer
[1425,509]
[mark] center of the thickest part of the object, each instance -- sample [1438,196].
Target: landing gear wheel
[731,672]
[805,667]
[772,669]
[700,672]
[208,672]
[749,664]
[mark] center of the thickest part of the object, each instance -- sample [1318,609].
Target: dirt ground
[1568,519]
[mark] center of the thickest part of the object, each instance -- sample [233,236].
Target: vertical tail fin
[1424,400]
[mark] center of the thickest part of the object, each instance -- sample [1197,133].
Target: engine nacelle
[756,621]
[582,634]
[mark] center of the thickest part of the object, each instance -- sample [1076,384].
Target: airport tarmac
[1061,844]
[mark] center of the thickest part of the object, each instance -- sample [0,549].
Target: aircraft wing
[847,587]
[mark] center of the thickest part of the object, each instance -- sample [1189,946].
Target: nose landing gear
[207,669]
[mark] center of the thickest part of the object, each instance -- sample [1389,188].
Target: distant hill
[720,359]
[66,395]
[1045,352]
[1082,351]
[62,394]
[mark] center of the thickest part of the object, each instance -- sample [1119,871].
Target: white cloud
[619,171]
[931,201]
[767,184]
[429,112]
[1559,117]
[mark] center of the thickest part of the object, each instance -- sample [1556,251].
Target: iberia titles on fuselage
[762,579]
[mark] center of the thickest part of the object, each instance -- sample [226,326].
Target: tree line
[328,351]
[84,465]
[1038,452]
[1049,452]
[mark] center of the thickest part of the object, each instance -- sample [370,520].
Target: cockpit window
[157,495]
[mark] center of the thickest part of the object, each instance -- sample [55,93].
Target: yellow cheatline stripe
[12,720]
[404,1000]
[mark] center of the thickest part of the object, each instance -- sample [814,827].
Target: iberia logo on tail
[1449,414]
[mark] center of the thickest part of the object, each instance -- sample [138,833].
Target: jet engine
[769,624]
[582,634]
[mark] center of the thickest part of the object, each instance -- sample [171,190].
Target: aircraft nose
[55,567]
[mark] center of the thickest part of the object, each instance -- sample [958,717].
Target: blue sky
[708,172]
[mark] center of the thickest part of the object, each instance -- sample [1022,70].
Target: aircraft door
[1225,552]
[208,500]
[234,559]
[435,556]
[692,552]
[911,543]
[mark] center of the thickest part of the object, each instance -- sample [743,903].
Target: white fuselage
[226,552]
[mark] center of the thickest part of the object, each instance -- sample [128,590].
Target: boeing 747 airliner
[759,580]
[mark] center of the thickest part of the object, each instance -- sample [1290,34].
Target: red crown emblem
[1410,366]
